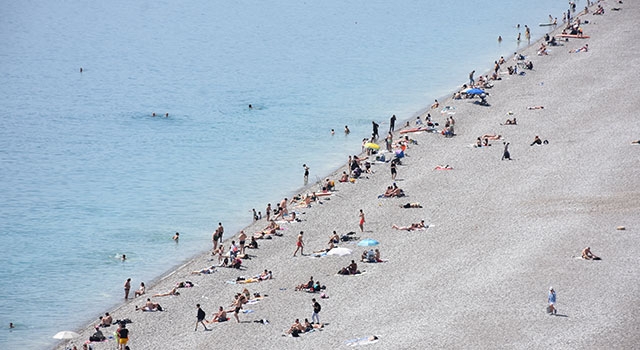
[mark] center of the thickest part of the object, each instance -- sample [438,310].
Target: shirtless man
[148,306]
[106,320]
[296,327]
[335,238]
[587,255]
[220,231]
[268,211]
[242,238]
[299,245]
[220,316]
[237,306]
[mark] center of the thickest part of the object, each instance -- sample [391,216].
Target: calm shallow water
[87,174]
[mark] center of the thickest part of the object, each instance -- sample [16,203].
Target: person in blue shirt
[552,301]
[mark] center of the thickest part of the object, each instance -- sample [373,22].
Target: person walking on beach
[201,316]
[552,301]
[505,153]
[306,174]
[299,245]
[375,130]
[361,215]
[471,80]
[127,288]
[316,310]
[392,123]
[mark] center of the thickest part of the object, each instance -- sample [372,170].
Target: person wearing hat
[552,301]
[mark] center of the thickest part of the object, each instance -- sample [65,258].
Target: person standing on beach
[283,207]
[299,245]
[306,174]
[242,238]
[392,123]
[375,130]
[552,301]
[127,288]
[201,316]
[268,211]
[361,215]
[394,171]
[215,238]
[123,336]
[316,310]
[220,232]
[471,80]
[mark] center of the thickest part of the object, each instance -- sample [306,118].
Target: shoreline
[159,283]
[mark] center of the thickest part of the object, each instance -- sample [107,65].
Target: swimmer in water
[499,38]
[124,257]
[176,237]
[153,114]
[250,106]
[11,326]
[166,115]
[346,130]
[333,132]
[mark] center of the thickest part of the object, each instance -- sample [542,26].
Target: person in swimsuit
[361,224]
[299,245]
[242,238]
[220,316]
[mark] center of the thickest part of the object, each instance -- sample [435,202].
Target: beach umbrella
[339,251]
[66,335]
[371,145]
[368,242]
[475,91]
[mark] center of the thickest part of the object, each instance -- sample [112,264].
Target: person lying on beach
[535,107]
[392,191]
[319,253]
[205,271]
[309,326]
[443,167]
[585,48]
[587,255]
[411,205]
[414,226]
[291,217]
[491,136]
[636,142]
[296,328]
[305,285]
[235,263]
[173,291]
[220,316]
[271,229]
[486,143]
[265,275]
[149,306]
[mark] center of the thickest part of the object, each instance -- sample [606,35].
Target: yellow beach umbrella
[371,145]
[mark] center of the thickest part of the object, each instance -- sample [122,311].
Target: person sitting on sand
[173,291]
[305,285]
[205,271]
[537,141]
[334,238]
[329,185]
[344,177]
[106,320]
[491,136]
[291,217]
[353,268]
[535,107]
[149,306]
[310,326]
[140,290]
[235,263]
[511,122]
[587,255]
[411,205]
[435,105]
[220,316]
[253,244]
[542,51]
[296,328]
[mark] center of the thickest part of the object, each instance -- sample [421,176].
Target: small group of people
[371,256]
[392,191]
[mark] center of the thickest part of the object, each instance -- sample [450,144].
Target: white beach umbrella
[339,251]
[66,335]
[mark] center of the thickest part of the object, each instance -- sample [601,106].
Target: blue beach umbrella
[475,91]
[368,242]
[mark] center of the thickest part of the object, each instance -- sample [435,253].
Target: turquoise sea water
[87,174]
